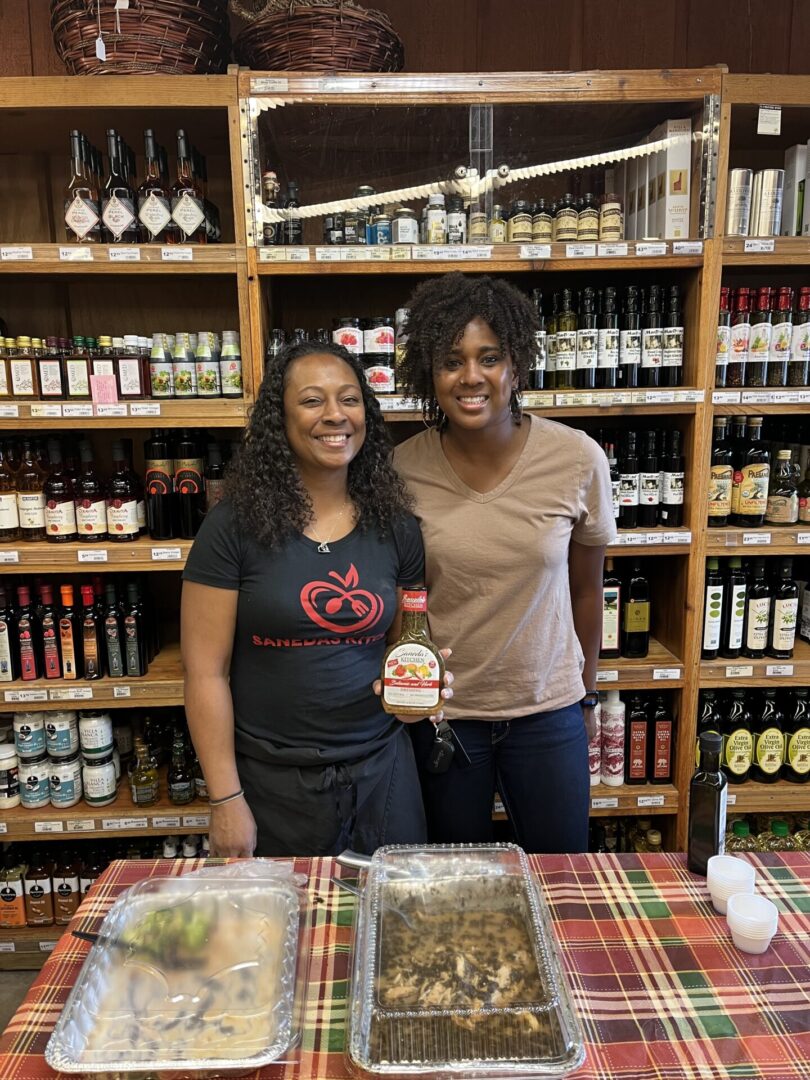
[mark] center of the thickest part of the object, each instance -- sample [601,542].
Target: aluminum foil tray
[193,974]
[456,969]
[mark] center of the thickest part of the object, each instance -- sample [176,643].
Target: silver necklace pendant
[323,548]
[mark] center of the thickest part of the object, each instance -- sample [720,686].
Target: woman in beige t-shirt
[515,512]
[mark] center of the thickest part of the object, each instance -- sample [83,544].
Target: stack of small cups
[751,919]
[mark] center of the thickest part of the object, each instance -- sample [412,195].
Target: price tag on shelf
[125,254]
[75,254]
[177,254]
[77,409]
[116,824]
[725,397]
[535,251]
[607,676]
[758,397]
[664,674]
[3,827]
[327,254]
[611,251]
[356,254]
[650,800]
[732,798]
[379,253]
[692,396]
[122,691]
[9,557]
[72,693]
[537,399]
[47,946]
[10,412]
[7,946]
[755,245]
[654,397]
[739,671]
[604,398]
[20,696]
[651,248]
[580,251]
[687,247]
[43,409]
[49,826]
[118,409]
[166,822]
[196,821]
[654,538]
[392,403]
[86,824]
[779,669]
[16,254]
[769,120]
[269,84]
[272,254]
[166,554]
[400,252]
[604,804]
[144,408]
[802,538]
[92,555]
[684,537]
[622,397]
[756,539]
[577,400]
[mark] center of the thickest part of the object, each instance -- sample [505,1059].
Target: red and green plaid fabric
[659,987]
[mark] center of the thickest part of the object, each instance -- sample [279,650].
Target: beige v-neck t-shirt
[497,567]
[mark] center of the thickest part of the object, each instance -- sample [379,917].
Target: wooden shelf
[787,251]
[636,800]
[143,554]
[198,412]
[21,258]
[26,948]
[721,673]
[499,258]
[162,685]
[120,818]
[652,542]
[660,670]
[118,91]
[754,798]
[680,400]
[790,540]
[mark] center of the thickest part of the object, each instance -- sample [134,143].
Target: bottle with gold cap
[23,370]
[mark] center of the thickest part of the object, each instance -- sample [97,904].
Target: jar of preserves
[349,335]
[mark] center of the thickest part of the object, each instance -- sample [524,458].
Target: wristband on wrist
[591,700]
[228,798]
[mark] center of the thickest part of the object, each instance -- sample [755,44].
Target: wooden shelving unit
[729,674]
[769,540]
[22,259]
[143,554]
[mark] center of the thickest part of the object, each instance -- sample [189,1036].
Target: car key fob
[442,751]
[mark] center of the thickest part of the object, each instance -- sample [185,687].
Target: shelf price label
[607,676]
[16,254]
[3,827]
[144,408]
[109,409]
[196,821]
[604,804]
[177,254]
[73,693]
[272,254]
[756,539]
[7,946]
[166,554]
[769,120]
[81,825]
[803,538]
[168,822]
[49,826]
[739,671]
[535,251]
[327,254]
[687,247]
[732,798]
[75,254]
[651,249]
[725,397]
[77,409]
[10,412]
[684,537]
[92,556]
[779,669]
[47,946]
[580,251]
[122,691]
[116,824]
[45,409]
[125,254]
[611,251]
[9,557]
[664,674]
[755,246]
[298,254]
[19,696]
[650,800]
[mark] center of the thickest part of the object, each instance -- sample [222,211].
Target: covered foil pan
[456,969]
[194,975]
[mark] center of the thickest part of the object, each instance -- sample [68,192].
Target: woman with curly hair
[516,512]
[290,593]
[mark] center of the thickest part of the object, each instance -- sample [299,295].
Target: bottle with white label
[628,483]
[31,479]
[9,513]
[595,749]
[734,594]
[672,356]
[652,339]
[630,340]
[782,630]
[712,611]
[587,341]
[118,198]
[412,668]
[649,483]
[723,347]
[757,613]
[613,715]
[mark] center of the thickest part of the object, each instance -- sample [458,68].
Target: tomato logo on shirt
[341,595]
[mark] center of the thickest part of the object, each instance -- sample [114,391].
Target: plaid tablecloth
[655,978]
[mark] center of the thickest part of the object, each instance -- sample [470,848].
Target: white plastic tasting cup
[727,875]
[752,920]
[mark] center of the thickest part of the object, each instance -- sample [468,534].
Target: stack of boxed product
[655,189]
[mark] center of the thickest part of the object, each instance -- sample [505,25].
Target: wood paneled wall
[533,35]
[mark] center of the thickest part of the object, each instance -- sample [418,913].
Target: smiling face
[474,381]
[324,415]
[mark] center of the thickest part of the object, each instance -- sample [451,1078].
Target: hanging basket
[320,36]
[174,37]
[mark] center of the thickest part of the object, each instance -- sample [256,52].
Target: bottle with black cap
[708,795]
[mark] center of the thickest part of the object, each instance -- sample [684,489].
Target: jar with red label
[348,334]
[379,341]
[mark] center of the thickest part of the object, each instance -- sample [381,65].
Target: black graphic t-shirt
[310,632]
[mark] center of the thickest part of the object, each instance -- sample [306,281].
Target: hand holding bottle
[446,694]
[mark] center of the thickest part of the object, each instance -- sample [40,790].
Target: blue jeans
[538,763]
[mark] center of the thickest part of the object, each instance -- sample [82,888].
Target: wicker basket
[335,36]
[175,37]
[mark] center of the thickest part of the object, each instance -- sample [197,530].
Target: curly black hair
[262,481]
[438,311]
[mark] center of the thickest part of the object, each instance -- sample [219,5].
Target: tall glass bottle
[712,611]
[143,780]
[637,739]
[629,481]
[757,613]
[721,476]
[707,806]
[649,492]
[82,212]
[180,777]
[159,485]
[31,479]
[113,636]
[607,361]
[412,668]
[122,502]
[798,373]
[752,473]
[760,345]
[723,348]
[630,341]
[652,339]
[784,613]
[537,374]
[735,590]
[9,512]
[782,507]
[662,743]
[92,635]
[9,653]
[551,343]
[91,503]
[566,339]
[26,637]
[154,198]
[587,341]
[118,199]
[740,338]
[672,361]
[710,719]
[610,648]
[797,739]
[672,482]
[738,742]
[188,210]
[189,485]
[70,636]
[60,508]
[769,740]
[49,636]
[636,615]
[781,335]
[135,634]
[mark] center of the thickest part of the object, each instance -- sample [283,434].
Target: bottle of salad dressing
[412,669]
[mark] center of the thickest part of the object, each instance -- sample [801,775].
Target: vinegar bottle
[412,668]
[708,794]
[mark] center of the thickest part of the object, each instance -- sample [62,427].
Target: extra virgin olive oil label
[636,616]
[652,350]
[738,749]
[608,349]
[758,613]
[720,482]
[610,617]
[753,487]
[566,354]
[797,752]
[630,346]
[769,749]
[785,613]
[713,617]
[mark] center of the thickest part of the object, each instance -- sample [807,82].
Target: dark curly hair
[263,483]
[438,311]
